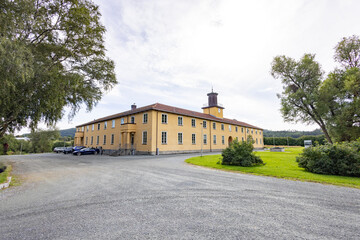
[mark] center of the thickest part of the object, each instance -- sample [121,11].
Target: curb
[6,185]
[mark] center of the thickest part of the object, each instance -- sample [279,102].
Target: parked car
[86,151]
[59,149]
[68,150]
[76,148]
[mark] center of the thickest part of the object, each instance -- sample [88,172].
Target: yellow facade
[150,130]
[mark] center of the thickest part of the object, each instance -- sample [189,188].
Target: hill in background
[68,132]
[292,133]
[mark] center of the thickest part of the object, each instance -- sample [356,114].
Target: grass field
[5,174]
[278,164]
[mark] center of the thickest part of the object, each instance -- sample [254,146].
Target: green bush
[240,154]
[337,159]
[2,167]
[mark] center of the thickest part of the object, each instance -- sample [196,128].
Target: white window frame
[229,128]
[104,142]
[93,127]
[222,127]
[87,128]
[92,140]
[236,128]
[193,120]
[214,139]
[164,117]
[86,141]
[105,125]
[214,125]
[113,124]
[144,138]
[145,118]
[180,121]
[132,119]
[98,126]
[223,140]
[193,138]
[97,140]
[162,138]
[204,124]
[180,138]
[205,139]
[122,121]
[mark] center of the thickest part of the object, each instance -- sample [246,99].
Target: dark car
[68,150]
[86,151]
[77,148]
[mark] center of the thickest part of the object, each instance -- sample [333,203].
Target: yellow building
[163,129]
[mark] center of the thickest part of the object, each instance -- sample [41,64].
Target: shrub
[337,159]
[240,154]
[2,167]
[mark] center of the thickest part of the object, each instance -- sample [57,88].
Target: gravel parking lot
[161,197]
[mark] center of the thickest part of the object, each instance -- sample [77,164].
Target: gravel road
[161,197]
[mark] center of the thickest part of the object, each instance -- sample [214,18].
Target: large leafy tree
[300,99]
[52,55]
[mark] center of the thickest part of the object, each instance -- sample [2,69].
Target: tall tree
[42,140]
[300,99]
[52,55]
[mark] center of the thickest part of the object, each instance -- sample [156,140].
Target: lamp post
[202,138]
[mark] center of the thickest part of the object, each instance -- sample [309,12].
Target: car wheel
[95,152]
[79,153]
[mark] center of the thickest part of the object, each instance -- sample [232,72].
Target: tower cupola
[213,107]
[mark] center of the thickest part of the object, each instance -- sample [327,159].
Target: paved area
[149,197]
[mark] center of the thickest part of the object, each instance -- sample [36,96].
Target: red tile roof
[169,109]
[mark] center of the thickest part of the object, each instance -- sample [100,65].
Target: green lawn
[278,164]
[5,174]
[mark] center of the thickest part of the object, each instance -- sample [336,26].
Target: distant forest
[292,134]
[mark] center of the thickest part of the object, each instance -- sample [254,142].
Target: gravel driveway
[152,197]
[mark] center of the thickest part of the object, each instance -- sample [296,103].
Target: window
[242,130]
[113,124]
[247,130]
[163,137]
[260,132]
[205,139]
[86,140]
[104,140]
[180,138]
[98,126]
[87,128]
[132,119]
[92,127]
[164,118]
[122,121]
[252,131]
[193,138]
[237,139]
[144,137]
[145,118]
[97,140]
[214,139]
[112,139]
[229,128]
[82,129]
[204,124]
[222,127]
[256,132]
[92,140]
[180,121]
[256,141]
[242,138]
[214,126]
[236,129]
[193,122]
[260,140]
[105,125]
[223,140]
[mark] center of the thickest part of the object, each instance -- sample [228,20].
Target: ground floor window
[205,139]
[92,140]
[214,139]
[163,137]
[86,141]
[112,139]
[260,140]
[97,140]
[223,140]
[180,138]
[104,140]
[193,138]
[144,137]
[256,141]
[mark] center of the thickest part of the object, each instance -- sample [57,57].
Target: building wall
[155,127]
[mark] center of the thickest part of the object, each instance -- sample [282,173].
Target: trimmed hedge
[240,154]
[337,159]
[283,141]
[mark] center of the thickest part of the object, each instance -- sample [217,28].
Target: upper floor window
[214,126]
[145,118]
[113,124]
[98,126]
[82,129]
[252,131]
[122,121]
[164,118]
[105,125]
[87,128]
[180,121]
[236,129]
[92,127]
[204,124]
[242,129]
[247,130]
[222,127]
[193,122]
[132,119]
[230,128]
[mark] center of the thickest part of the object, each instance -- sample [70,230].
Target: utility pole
[274,140]
[202,138]
[21,147]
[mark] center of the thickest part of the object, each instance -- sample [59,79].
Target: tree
[52,55]
[42,140]
[300,99]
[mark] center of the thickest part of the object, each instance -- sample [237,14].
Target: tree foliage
[42,140]
[332,103]
[52,55]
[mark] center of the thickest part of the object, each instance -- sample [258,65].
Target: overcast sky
[174,51]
